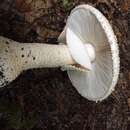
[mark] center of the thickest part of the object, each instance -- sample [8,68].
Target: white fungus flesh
[90,56]
[16,57]
[91,27]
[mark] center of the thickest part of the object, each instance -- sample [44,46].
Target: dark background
[45,99]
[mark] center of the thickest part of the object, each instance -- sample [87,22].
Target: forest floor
[45,99]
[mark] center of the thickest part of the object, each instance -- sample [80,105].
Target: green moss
[68,4]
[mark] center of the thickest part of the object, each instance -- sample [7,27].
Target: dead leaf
[22,6]
[125,6]
[128,101]
[34,11]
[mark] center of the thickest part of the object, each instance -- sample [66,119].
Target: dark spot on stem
[7,42]
[22,48]
[6,50]
[1,74]
[29,53]
[34,58]
[22,56]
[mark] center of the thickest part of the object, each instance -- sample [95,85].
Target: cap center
[91,51]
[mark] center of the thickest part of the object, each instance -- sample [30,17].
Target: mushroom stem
[36,55]
[43,55]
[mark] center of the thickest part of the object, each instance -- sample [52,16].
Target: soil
[44,99]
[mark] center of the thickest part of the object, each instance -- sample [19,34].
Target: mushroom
[87,49]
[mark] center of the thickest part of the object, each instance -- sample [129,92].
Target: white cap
[87,25]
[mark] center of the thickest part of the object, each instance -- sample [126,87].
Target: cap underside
[90,26]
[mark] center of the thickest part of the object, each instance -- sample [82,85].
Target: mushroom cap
[90,26]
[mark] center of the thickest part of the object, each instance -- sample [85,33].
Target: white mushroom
[92,28]
[88,51]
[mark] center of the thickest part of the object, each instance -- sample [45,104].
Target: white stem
[43,55]
[36,55]
[16,57]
